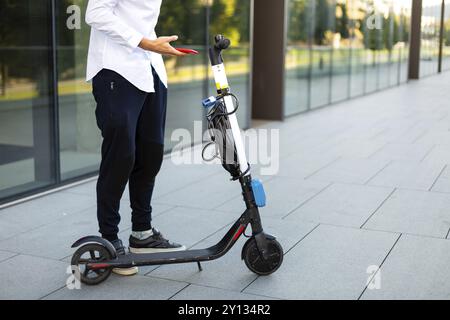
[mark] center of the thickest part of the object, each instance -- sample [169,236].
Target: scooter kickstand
[199,265]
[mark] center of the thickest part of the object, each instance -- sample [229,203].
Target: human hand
[161,46]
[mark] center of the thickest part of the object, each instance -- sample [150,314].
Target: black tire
[90,253]
[256,263]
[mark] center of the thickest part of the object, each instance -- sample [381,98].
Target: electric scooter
[95,257]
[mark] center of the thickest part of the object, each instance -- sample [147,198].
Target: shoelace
[158,236]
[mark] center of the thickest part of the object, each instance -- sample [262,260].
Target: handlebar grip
[222,43]
[215,52]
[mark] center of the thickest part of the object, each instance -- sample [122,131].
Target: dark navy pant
[132,123]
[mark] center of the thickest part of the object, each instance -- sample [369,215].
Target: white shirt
[118,26]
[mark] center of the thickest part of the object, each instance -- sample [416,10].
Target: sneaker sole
[153,250]
[127,272]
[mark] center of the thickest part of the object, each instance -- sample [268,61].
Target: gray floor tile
[122,288]
[302,165]
[408,175]
[440,155]
[416,269]
[194,292]
[356,148]
[414,212]
[88,189]
[402,136]
[206,194]
[53,240]
[443,183]
[230,272]
[403,152]
[331,263]
[283,196]
[27,277]
[42,211]
[357,171]
[5,255]
[189,226]
[342,204]
[174,177]
[435,138]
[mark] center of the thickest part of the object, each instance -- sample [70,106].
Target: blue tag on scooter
[259,193]
[209,103]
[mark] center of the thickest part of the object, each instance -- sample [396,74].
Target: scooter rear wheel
[256,263]
[90,253]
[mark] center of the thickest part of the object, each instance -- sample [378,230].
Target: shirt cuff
[134,41]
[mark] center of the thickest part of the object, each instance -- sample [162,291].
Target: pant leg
[119,105]
[149,155]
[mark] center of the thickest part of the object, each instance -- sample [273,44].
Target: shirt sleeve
[100,15]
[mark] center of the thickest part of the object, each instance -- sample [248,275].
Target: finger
[178,53]
[175,52]
[172,38]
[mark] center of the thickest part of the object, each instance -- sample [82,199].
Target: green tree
[299,20]
[185,18]
[322,21]
[230,17]
[342,21]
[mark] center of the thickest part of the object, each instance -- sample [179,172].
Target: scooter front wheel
[256,263]
[90,253]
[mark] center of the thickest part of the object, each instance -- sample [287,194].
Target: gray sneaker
[154,244]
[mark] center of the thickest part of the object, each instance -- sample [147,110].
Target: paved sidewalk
[362,185]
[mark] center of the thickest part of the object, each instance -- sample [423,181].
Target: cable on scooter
[217,119]
[225,114]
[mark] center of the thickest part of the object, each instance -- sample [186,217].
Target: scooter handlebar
[215,52]
[222,43]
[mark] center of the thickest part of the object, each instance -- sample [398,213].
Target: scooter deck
[134,259]
[149,259]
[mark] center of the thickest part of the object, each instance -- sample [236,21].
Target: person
[129,84]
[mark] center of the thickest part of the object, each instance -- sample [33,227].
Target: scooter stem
[222,87]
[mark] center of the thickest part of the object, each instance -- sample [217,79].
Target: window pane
[341,53]
[446,49]
[297,56]
[373,42]
[429,52]
[405,26]
[26,108]
[80,138]
[386,67]
[324,11]
[357,11]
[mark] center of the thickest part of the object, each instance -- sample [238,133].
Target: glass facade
[339,49]
[430,35]
[27,113]
[446,38]
[48,132]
